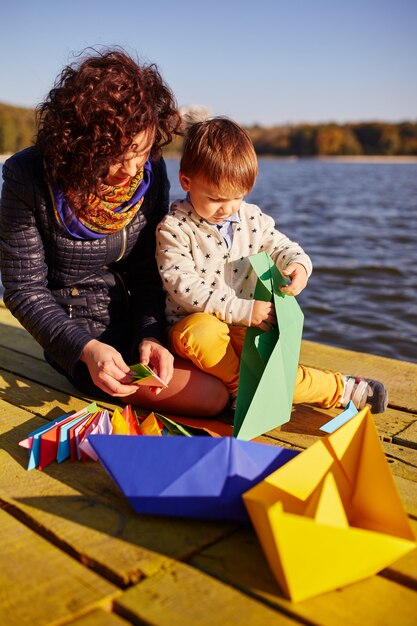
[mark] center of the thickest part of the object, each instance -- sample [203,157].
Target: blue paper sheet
[200,477]
[36,444]
[341,419]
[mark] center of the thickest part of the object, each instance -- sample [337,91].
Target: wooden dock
[74,552]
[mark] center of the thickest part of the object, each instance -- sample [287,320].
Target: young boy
[203,246]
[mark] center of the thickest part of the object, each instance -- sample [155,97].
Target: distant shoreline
[360,158]
[364,158]
[343,158]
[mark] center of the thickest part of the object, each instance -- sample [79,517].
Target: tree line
[361,138]
[18,129]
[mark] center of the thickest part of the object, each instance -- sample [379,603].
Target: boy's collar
[232,218]
[235,217]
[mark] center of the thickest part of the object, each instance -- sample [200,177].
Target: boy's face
[208,201]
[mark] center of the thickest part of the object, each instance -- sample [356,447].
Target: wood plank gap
[208,544]
[22,354]
[389,455]
[45,533]
[43,585]
[398,577]
[97,617]
[383,438]
[286,610]
[404,442]
[27,409]
[54,387]
[398,407]
[106,607]
[397,441]
[282,442]
[151,600]
[409,442]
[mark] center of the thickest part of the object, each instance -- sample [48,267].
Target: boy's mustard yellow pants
[215,347]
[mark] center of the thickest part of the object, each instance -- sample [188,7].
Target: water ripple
[358,223]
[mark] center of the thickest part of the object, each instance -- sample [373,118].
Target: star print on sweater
[198,251]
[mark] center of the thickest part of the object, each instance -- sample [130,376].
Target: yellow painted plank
[377,601]
[402,461]
[39,584]
[51,403]
[403,453]
[23,364]
[309,419]
[35,369]
[405,570]
[99,617]
[30,370]
[80,507]
[408,493]
[400,377]
[14,336]
[42,398]
[304,419]
[183,596]
[289,439]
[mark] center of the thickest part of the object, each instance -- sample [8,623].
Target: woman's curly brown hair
[90,117]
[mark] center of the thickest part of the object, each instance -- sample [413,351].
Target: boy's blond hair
[221,152]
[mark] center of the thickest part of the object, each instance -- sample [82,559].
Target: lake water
[358,222]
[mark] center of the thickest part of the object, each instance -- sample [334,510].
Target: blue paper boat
[200,477]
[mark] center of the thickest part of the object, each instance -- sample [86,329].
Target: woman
[77,234]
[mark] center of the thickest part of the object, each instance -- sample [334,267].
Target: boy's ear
[185,181]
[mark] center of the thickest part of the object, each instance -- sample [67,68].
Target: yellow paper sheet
[119,423]
[150,426]
[332,515]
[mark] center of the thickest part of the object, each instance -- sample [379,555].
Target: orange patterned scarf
[101,216]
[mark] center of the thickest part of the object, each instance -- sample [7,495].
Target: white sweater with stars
[201,274]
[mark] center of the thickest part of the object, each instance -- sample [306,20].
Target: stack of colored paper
[66,437]
[128,422]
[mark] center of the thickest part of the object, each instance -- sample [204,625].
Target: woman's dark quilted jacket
[66,291]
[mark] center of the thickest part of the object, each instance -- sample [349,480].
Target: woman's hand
[154,354]
[299,279]
[263,315]
[107,369]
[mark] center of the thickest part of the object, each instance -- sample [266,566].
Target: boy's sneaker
[362,391]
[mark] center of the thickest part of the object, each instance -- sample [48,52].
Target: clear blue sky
[265,61]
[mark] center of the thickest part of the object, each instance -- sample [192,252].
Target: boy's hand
[299,279]
[263,315]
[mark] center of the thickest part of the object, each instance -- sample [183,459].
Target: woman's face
[132,161]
